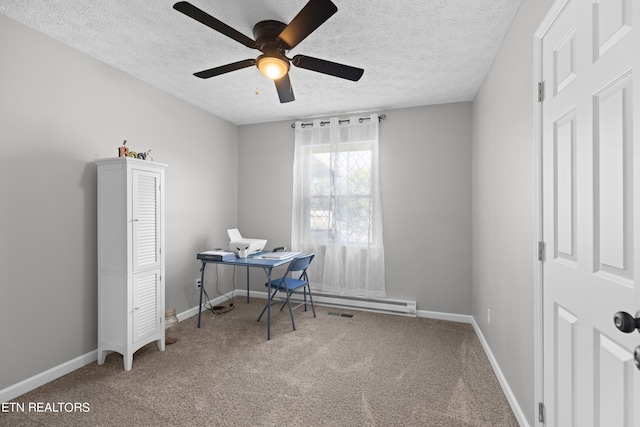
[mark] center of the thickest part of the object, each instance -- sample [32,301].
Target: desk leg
[247,285]
[267,270]
[201,291]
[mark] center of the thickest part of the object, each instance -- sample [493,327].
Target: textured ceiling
[413,52]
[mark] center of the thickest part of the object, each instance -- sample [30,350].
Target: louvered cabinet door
[146,220]
[147,318]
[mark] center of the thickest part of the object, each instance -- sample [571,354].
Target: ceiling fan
[273,39]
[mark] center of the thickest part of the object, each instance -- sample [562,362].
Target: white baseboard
[515,406]
[451,317]
[49,375]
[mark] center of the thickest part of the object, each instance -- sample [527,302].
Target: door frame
[538,285]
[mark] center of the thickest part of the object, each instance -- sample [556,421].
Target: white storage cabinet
[130,256]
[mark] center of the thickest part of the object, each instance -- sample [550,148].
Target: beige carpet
[370,370]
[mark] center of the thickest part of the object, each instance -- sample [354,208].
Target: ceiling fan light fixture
[273,67]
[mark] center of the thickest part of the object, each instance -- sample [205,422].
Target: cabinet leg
[160,345]
[102,356]
[128,361]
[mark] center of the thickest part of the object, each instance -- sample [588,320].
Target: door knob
[626,322]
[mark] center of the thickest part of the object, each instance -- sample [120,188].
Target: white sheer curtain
[336,205]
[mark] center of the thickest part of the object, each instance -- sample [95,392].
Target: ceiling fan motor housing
[266,34]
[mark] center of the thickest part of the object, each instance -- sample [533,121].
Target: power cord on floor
[219,309]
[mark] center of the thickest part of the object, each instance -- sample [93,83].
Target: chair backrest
[301,263]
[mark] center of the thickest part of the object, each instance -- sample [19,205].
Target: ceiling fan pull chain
[257,91]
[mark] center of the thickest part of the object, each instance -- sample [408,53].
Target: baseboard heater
[381,305]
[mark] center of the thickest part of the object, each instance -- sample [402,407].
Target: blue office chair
[289,285]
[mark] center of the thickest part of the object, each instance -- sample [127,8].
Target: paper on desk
[278,255]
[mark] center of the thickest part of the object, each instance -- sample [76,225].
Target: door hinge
[541,251]
[541,412]
[540,91]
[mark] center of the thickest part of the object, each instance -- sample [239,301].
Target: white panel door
[591,213]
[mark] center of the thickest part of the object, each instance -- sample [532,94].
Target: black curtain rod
[381,117]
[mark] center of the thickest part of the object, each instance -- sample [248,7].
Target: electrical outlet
[488,316]
[198,283]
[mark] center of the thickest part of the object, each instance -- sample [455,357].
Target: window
[340,194]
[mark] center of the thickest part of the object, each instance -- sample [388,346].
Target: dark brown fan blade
[285,91]
[211,22]
[225,68]
[312,15]
[328,67]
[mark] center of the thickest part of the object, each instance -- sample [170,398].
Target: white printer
[243,246]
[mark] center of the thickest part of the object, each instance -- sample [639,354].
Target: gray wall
[503,205]
[59,111]
[425,155]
